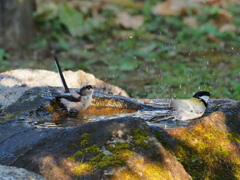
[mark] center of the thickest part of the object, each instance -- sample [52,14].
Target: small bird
[77,100]
[186,109]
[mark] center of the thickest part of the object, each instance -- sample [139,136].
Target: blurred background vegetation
[152,49]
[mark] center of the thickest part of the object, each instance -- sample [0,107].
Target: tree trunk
[16,23]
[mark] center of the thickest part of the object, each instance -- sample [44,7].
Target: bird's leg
[73,112]
[62,109]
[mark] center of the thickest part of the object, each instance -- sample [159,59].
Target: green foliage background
[163,58]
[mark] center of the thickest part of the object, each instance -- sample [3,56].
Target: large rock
[208,148]
[38,136]
[111,148]
[115,149]
[12,173]
[14,83]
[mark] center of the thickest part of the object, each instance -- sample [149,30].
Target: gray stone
[15,82]
[13,173]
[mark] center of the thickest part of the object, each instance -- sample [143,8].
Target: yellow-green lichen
[141,138]
[94,149]
[86,138]
[76,155]
[126,154]
[125,174]
[84,142]
[82,169]
[139,167]
[85,135]
[102,161]
[116,159]
[117,147]
[156,171]
[207,152]
[75,145]
[234,137]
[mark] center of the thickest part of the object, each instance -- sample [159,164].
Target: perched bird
[186,109]
[77,100]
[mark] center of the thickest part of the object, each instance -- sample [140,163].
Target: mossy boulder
[120,148]
[37,135]
[208,148]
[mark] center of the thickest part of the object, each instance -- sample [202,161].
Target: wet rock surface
[112,138]
[38,105]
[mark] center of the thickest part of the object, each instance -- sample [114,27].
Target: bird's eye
[89,87]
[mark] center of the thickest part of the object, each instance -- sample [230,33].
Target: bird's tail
[66,90]
[163,117]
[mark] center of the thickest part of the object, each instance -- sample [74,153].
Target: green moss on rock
[86,138]
[85,135]
[206,152]
[76,156]
[118,147]
[84,142]
[141,138]
[94,149]
[102,161]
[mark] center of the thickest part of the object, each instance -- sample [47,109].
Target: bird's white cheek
[205,98]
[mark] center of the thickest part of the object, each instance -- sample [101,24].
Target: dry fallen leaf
[209,2]
[128,21]
[221,3]
[127,3]
[86,6]
[191,22]
[225,15]
[169,8]
[172,7]
[227,27]
[216,40]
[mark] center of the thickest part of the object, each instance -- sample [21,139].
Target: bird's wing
[180,104]
[195,105]
[70,97]
[66,90]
